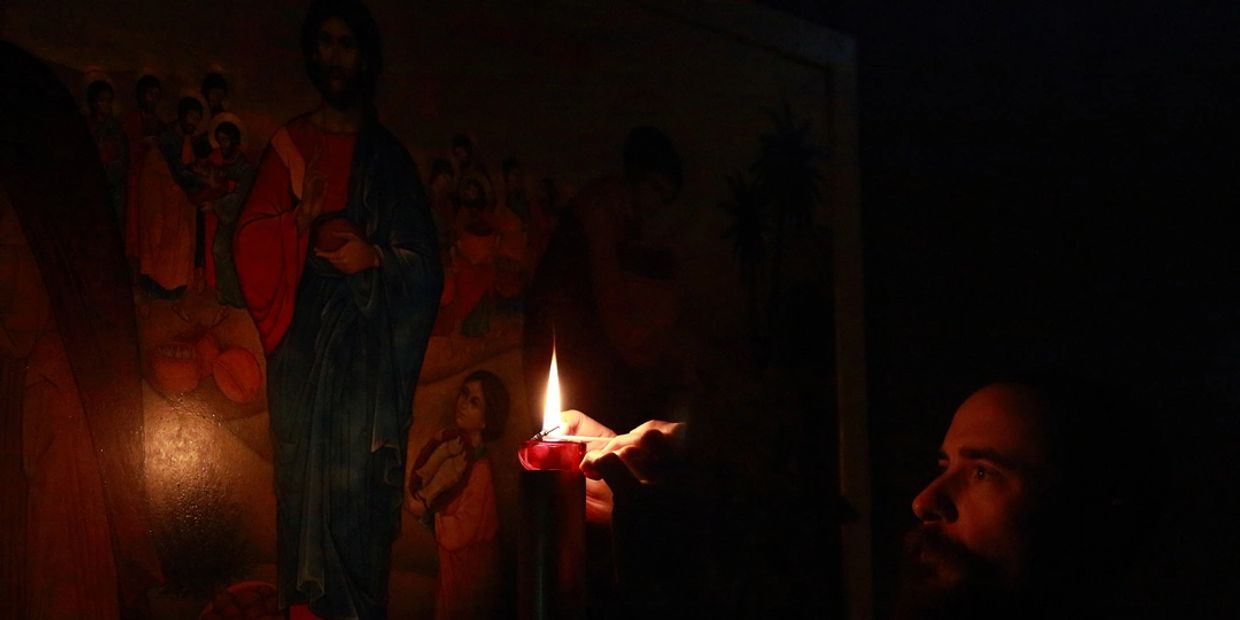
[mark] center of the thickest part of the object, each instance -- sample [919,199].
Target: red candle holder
[551,545]
[549,454]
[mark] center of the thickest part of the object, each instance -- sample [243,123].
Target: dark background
[1056,185]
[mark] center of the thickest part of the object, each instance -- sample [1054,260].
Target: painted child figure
[228,175]
[454,492]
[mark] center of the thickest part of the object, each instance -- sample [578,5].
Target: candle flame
[551,411]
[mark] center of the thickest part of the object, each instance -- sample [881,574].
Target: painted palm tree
[748,233]
[788,177]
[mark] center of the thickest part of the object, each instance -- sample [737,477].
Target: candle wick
[540,435]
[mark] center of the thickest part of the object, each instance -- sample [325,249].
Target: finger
[589,463]
[571,421]
[651,457]
[656,443]
[599,502]
[577,423]
[613,445]
[667,428]
[346,234]
[617,475]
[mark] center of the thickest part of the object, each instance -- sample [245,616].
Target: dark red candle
[551,547]
[551,454]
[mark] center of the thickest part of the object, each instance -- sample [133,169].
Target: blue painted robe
[341,378]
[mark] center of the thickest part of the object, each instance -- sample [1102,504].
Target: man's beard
[349,93]
[941,579]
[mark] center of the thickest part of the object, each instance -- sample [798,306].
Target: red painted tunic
[466,530]
[139,126]
[269,250]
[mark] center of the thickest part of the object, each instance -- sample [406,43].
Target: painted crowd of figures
[178,187]
[179,190]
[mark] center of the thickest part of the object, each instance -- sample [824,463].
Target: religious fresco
[493,223]
[710,279]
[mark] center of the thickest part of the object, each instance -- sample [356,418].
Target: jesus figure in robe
[337,259]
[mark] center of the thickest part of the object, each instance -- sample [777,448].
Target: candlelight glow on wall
[551,410]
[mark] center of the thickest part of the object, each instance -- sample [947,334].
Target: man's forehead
[1004,418]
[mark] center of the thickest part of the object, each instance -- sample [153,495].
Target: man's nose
[934,503]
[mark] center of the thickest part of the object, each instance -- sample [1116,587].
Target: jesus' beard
[347,96]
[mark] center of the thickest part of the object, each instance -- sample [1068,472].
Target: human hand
[574,422]
[651,519]
[354,256]
[314,188]
[644,455]
[442,452]
[206,207]
[448,474]
[599,499]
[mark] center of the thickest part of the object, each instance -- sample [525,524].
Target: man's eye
[981,473]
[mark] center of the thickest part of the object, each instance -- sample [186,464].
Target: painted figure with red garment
[111,142]
[512,217]
[228,175]
[214,96]
[336,255]
[142,128]
[168,191]
[452,490]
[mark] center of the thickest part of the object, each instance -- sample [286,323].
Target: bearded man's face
[338,65]
[941,579]
[973,547]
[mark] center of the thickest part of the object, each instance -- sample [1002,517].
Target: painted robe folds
[344,352]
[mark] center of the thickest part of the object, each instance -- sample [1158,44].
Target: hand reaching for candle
[644,455]
[649,503]
[621,464]
[599,499]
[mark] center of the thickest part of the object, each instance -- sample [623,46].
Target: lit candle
[551,553]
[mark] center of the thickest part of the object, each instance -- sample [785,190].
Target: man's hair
[188,104]
[365,32]
[96,88]
[495,393]
[1095,432]
[232,131]
[649,150]
[1087,423]
[212,81]
[145,83]
[461,140]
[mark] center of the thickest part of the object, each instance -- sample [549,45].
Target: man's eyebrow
[988,454]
